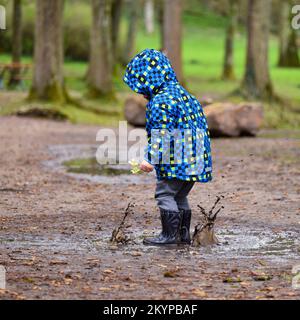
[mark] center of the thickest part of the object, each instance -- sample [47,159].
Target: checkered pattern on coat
[171,108]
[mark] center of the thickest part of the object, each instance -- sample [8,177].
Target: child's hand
[146,166]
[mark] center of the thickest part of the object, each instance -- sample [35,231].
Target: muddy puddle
[235,243]
[79,161]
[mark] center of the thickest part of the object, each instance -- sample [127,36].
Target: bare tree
[291,58]
[283,28]
[129,48]
[288,49]
[99,76]
[149,16]
[228,68]
[115,29]
[257,82]
[16,43]
[48,81]
[159,4]
[173,34]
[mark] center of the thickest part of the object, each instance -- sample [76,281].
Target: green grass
[100,112]
[203,48]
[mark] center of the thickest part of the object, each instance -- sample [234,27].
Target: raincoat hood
[148,72]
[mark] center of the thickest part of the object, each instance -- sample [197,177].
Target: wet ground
[57,215]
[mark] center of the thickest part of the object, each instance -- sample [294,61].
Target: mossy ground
[92,167]
[203,50]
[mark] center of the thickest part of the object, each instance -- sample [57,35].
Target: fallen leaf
[262,277]
[170,274]
[245,284]
[68,281]
[262,263]
[232,280]
[135,253]
[104,289]
[199,293]
[57,262]
[28,280]
[108,271]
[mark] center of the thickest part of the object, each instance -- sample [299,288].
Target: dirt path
[54,228]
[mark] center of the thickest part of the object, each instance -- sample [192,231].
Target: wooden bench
[15,71]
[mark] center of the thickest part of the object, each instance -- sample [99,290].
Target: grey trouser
[172,194]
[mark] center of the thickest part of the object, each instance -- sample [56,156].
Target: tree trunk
[129,48]
[100,67]
[228,69]
[288,49]
[16,44]
[115,27]
[160,16]
[149,16]
[283,29]
[291,58]
[256,82]
[173,34]
[48,81]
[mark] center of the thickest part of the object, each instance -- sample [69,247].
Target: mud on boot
[170,221]
[185,226]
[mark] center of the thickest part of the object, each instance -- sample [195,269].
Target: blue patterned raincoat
[172,115]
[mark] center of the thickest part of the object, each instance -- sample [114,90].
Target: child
[171,108]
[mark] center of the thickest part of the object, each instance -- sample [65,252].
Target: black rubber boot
[171,221]
[185,226]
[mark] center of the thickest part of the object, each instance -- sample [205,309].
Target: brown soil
[55,229]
